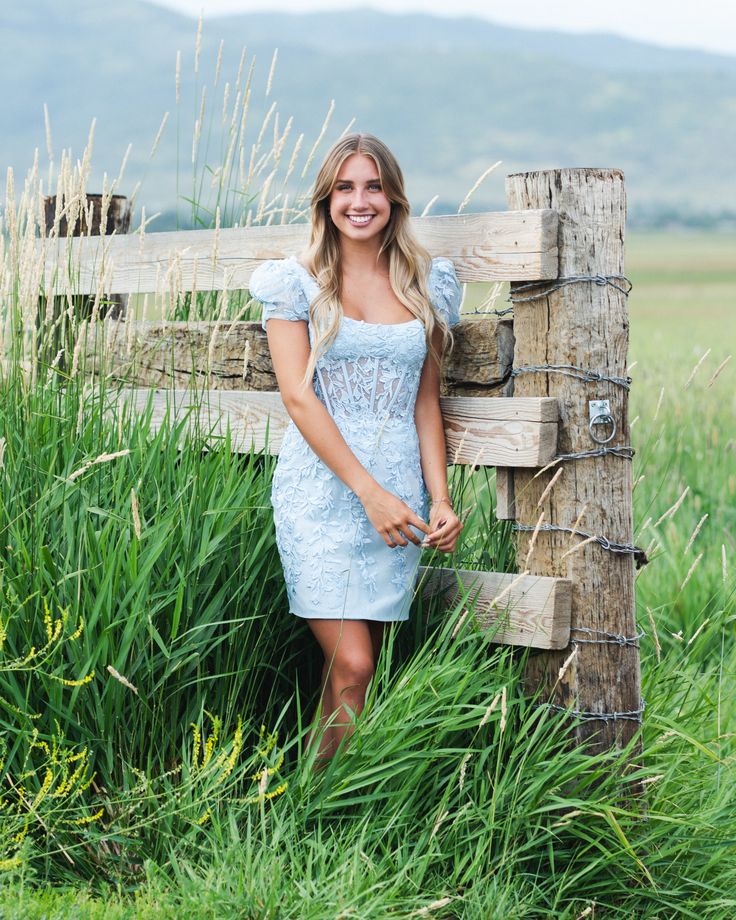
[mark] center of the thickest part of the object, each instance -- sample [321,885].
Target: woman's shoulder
[279,285]
[275,276]
[445,289]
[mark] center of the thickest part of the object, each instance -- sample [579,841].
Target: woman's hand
[445,527]
[391,517]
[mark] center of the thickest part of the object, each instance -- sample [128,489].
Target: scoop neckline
[352,319]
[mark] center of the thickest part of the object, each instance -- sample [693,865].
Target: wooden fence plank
[531,610]
[480,431]
[491,246]
[159,354]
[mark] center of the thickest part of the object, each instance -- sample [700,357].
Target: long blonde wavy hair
[409,261]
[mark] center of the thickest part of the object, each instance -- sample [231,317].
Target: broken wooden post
[567,330]
[56,335]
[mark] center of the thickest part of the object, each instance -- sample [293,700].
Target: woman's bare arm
[444,524]
[288,342]
[431,428]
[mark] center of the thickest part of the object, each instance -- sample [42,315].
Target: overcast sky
[708,24]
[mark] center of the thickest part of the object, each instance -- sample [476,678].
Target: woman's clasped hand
[394,519]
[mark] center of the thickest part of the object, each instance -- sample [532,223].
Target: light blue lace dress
[336,564]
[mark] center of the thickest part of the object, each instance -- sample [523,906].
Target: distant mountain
[450,96]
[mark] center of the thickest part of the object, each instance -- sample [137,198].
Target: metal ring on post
[602,420]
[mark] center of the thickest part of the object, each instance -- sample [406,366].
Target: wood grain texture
[158,354]
[492,246]
[527,610]
[586,325]
[258,420]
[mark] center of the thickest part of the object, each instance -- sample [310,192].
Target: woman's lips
[361,220]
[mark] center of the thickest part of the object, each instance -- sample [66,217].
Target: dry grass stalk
[103,458]
[670,512]
[466,201]
[652,779]
[579,519]
[177,77]
[438,823]
[578,546]
[136,515]
[696,368]
[315,146]
[567,818]
[566,663]
[459,623]
[118,181]
[533,540]
[269,82]
[428,205]
[218,62]
[509,587]
[159,135]
[435,905]
[503,710]
[655,635]
[659,404]
[643,476]
[2,452]
[489,710]
[460,445]
[692,569]
[198,43]
[550,486]
[698,631]
[694,534]
[718,371]
[123,680]
[463,768]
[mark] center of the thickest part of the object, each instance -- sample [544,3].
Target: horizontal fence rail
[235,355]
[479,431]
[528,610]
[491,246]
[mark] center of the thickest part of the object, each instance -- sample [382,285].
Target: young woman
[356,327]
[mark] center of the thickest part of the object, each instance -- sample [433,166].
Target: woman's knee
[352,668]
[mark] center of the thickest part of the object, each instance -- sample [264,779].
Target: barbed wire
[640,556]
[556,284]
[572,370]
[632,715]
[611,638]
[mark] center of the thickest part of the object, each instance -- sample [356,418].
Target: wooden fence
[560,443]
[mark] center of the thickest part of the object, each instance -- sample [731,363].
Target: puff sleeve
[277,285]
[445,290]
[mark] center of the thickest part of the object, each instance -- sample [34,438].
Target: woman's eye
[376,186]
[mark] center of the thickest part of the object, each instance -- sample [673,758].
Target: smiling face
[358,206]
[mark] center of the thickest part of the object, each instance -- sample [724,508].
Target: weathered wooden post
[56,337]
[572,339]
[88,222]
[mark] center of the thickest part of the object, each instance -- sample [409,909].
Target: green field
[457,798]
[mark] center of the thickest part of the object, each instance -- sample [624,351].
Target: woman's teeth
[360,221]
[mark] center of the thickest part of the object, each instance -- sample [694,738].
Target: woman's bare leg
[349,664]
[379,631]
[324,707]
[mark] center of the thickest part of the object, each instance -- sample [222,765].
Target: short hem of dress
[322,616]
